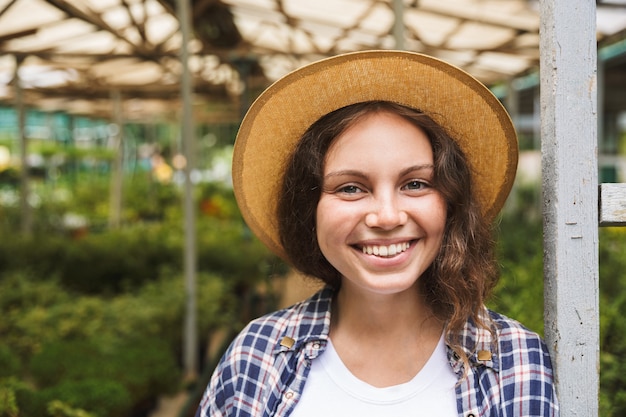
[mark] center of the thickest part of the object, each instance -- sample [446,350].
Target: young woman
[379,173]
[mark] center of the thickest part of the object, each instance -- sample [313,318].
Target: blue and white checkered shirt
[264,370]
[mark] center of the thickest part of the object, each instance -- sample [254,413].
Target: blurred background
[125,267]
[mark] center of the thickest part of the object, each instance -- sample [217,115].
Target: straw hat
[282,113]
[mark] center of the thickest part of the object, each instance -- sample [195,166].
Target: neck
[371,314]
[367,329]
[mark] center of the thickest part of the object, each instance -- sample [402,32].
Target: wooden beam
[521,22]
[17,35]
[91,17]
[612,205]
[140,26]
[7,7]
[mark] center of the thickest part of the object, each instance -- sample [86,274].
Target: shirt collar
[478,344]
[310,322]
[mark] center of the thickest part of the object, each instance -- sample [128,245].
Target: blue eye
[415,185]
[350,189]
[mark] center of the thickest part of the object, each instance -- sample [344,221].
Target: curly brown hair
[463,273]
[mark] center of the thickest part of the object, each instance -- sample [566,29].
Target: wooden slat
[612,205]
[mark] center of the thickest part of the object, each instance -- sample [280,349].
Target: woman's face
[379,222]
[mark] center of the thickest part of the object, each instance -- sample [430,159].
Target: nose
[386,214]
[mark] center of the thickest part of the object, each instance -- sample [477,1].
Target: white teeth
[385,251]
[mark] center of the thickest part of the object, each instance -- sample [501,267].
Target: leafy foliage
[9,362]
[519,293]
[57,408]
[103,397]
[128,343]
[8,396]
[105,379]
[126,259]
[612,324]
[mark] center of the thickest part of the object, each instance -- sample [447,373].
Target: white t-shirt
[332,390]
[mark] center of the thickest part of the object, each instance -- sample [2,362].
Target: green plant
[8,399]
[125,259]
[135,370]
[133,338]
[612,325]
[9,362]
[57,408]
[519,293]
[85,398]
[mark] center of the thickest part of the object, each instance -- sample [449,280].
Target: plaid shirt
[264,370]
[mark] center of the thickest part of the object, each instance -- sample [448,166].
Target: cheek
[443,213]
[333,223]
[320,224]
[324,220]
[439,217]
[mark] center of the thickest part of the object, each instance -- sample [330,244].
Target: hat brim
[468,110]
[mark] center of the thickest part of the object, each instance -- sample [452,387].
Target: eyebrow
[354,173]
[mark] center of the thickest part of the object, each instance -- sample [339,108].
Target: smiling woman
[376,193]
[391,167]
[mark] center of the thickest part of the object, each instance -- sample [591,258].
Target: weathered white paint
[612,204]
[570,199]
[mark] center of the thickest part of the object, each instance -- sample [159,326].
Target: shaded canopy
[73,53]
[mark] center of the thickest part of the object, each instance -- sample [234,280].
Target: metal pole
[190,337]
[26,213]
[570,200]
[398,25]
[117,177]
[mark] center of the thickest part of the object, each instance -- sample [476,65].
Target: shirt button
[289,395]
[471,415]
[316,345]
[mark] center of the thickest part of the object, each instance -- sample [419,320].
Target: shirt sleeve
[526,376]
[217,397]
[247,378]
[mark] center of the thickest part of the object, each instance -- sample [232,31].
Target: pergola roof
[73,53]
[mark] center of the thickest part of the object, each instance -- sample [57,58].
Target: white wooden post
[570,200]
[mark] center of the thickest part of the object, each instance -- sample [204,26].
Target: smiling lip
[385,251]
